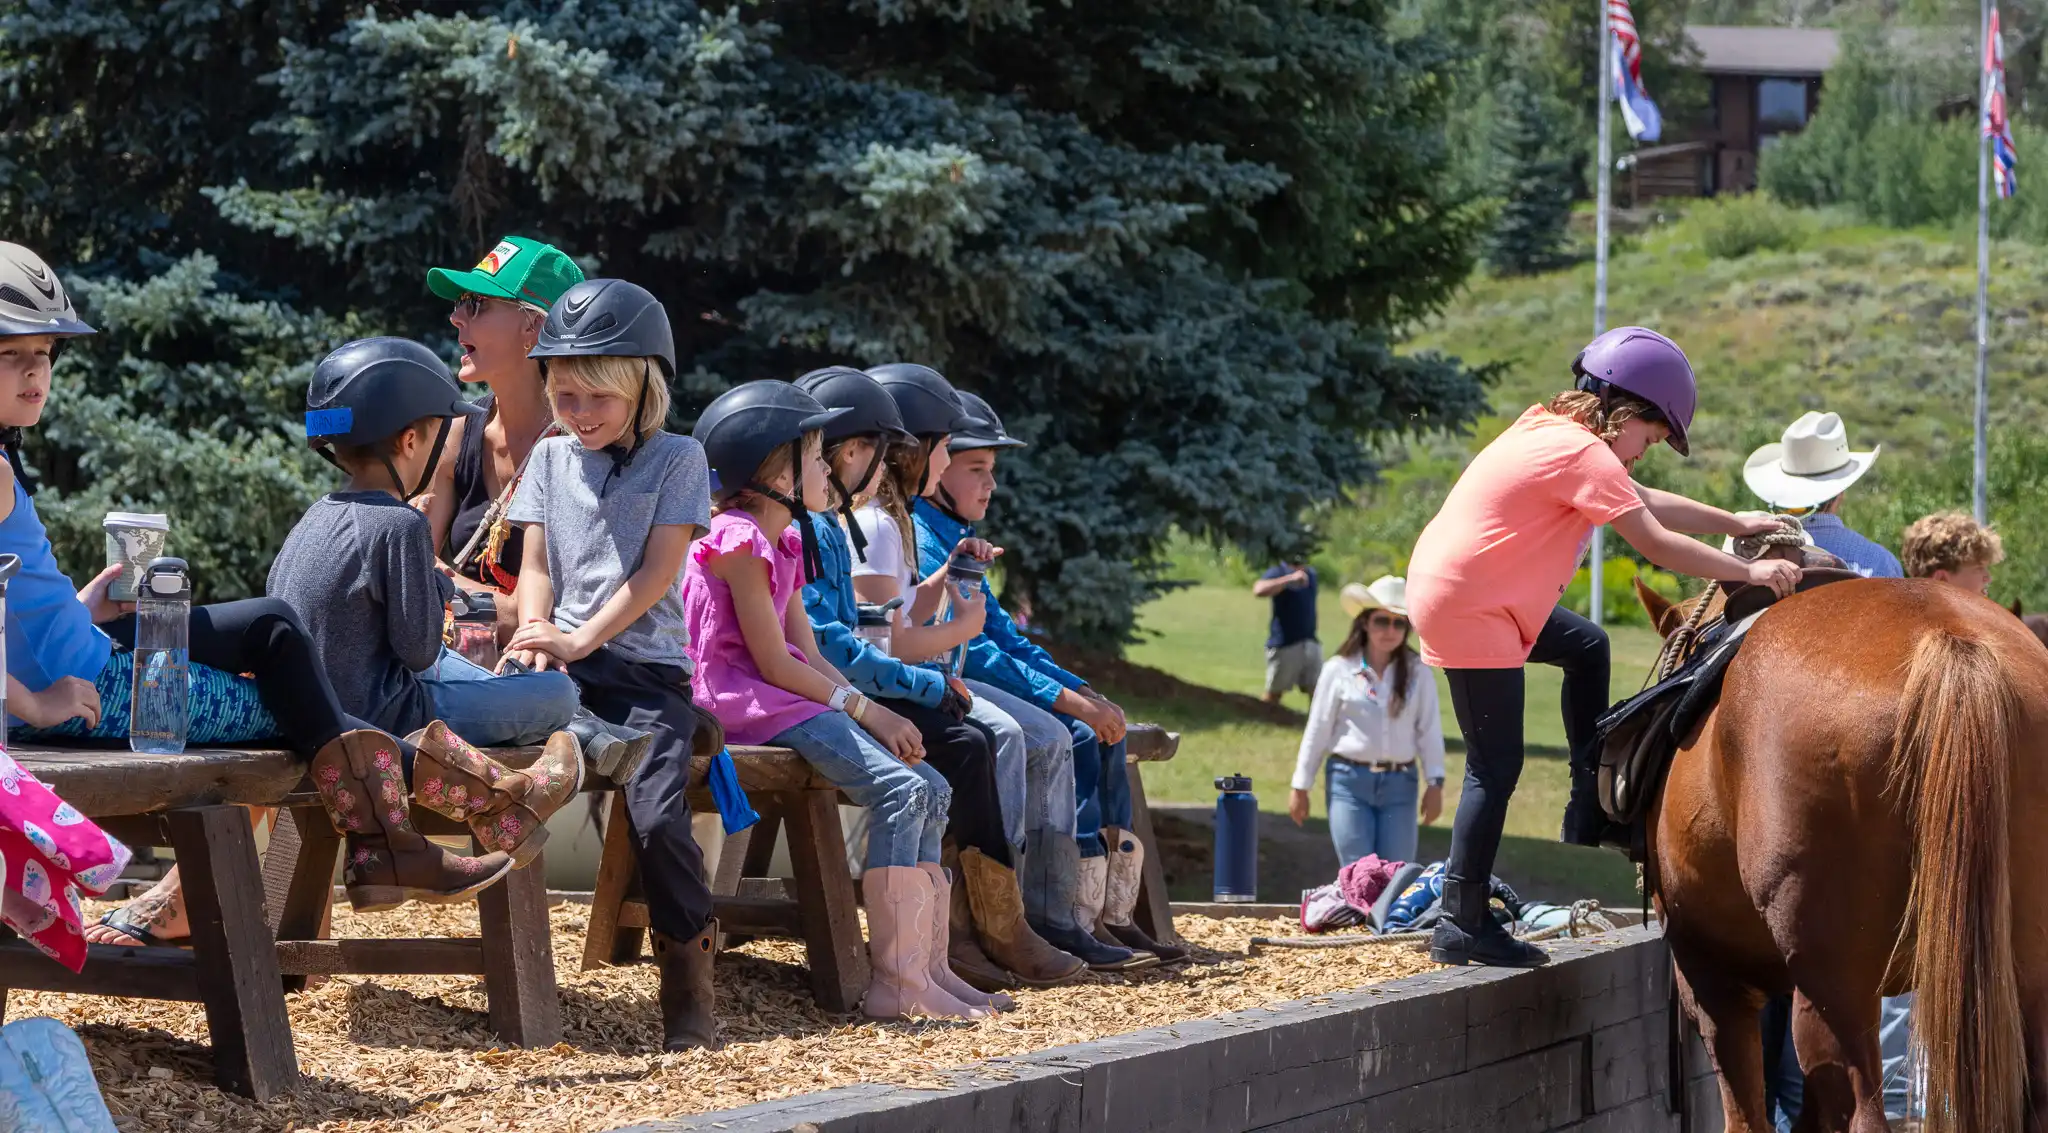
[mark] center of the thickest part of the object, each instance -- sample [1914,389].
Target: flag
[2004,159]
[1638,113]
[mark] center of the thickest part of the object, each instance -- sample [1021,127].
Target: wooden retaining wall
[1581,1046]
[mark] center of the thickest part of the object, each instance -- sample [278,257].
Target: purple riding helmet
[1648,365]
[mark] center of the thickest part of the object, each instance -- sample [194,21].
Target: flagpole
[1978,453]
[1596,575]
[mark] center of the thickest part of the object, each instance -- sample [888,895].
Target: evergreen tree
[1535,184]
[1169,240]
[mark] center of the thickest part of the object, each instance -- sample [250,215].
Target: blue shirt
[49,633]
[1864,557]
[1002,656]
[834,610]
[1294,610]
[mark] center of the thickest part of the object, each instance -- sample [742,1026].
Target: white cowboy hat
[1810,466]
[1387,592]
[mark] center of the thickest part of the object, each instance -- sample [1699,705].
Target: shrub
[1619,573]
[1732,227]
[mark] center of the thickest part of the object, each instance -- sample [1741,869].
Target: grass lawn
[1211,638]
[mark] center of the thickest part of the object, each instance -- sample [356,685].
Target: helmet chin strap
[814,559]
[10,443]
[622,450]
[426,474]
[853,531]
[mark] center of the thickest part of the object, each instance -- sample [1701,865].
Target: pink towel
[1349,900]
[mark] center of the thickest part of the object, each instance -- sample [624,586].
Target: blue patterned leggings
[226,709]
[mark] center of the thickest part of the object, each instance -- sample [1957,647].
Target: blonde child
[1951,547]
[1487,573]
[760,671]
[609,509]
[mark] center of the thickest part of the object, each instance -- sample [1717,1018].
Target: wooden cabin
[1763,82]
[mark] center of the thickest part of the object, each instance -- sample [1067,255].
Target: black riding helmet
[929,404]
[610,318]
[871,412]
[987,433]
[747,422]
[366,391]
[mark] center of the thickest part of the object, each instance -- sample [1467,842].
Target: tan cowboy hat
[1387,592]
[1811,465]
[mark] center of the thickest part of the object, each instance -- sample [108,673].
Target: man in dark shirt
[1294,657]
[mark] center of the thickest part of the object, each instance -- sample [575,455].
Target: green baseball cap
[518,269]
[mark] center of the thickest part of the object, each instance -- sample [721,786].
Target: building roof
[1764,51]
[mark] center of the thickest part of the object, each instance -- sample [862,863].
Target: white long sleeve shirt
[1349,718]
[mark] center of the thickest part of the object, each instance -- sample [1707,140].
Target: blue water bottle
[1237,840]
[161,710]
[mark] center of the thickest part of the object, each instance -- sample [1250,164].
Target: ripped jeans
[906,805]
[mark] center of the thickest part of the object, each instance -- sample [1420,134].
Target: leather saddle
[1638,736]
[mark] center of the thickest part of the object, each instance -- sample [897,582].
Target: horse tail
[1952,761]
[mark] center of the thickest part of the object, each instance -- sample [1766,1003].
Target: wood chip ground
[393,1053]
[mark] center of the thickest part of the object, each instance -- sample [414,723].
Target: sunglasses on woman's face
[471,304]
[1384,621]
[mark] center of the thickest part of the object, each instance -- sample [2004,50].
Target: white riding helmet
[32,298]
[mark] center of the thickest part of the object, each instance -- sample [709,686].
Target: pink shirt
[1493,563]
[727,681]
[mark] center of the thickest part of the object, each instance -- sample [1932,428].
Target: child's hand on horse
[1758,525]
[1778,574]
[94,598]
[893,732]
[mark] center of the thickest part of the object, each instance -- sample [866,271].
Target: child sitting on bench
[70,664]
[608,511]
[759,668]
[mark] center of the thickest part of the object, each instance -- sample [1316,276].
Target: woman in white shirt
[1374,717]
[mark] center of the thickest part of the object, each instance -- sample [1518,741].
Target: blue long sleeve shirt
[1002,656]
[833,610]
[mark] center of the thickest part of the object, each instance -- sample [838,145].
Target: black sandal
[119,921]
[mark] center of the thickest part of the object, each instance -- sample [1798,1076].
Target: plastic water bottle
[1237,840]
[10,565]
[964,575]
[161,711]
[874,627]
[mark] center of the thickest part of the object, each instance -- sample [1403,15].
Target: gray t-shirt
[358,569]
[597,527]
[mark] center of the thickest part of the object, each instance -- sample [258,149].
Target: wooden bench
[819,907]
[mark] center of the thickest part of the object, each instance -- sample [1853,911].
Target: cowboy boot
[1059,856]
[901,905]
[361,779]
[506,810]
[611,750]
[942,946]
[963,952]
[1126,871]
[686,989]
[996,909]
[1468,934]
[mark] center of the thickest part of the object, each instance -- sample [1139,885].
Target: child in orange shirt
[1487,573]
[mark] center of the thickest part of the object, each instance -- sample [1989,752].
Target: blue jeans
[1102,788]
[1784,1084]
[1371,812]
[498,711]
[906,805]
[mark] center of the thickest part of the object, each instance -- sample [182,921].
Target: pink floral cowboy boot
[506,810]
[361,779]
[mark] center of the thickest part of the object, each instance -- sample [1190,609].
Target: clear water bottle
[874,627]
[161,710]
[964,575]
[1237,840]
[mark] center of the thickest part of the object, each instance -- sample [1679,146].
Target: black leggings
[962,752]
[1489,705]
[263,637]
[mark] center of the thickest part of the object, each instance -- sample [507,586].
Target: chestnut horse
[1865,813]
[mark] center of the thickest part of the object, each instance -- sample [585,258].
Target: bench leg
[298,878]
[824,895]
[1154,912]
[749,853]
[519,957]
[616,867]
[235,955]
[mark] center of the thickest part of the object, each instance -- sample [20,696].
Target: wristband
[840,695]
[1437,781]
[859,710]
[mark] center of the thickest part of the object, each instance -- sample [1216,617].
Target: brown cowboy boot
[1126,869]
[686,990]
[945,945]
[361,778]
[506,810]
[963,952]
[998,910]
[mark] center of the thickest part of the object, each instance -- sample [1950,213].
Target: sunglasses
[1386,621]
[471,304]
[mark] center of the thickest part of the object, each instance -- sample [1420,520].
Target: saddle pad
[1638,736]
[1748,599]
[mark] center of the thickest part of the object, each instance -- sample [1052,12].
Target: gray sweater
[358,569]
